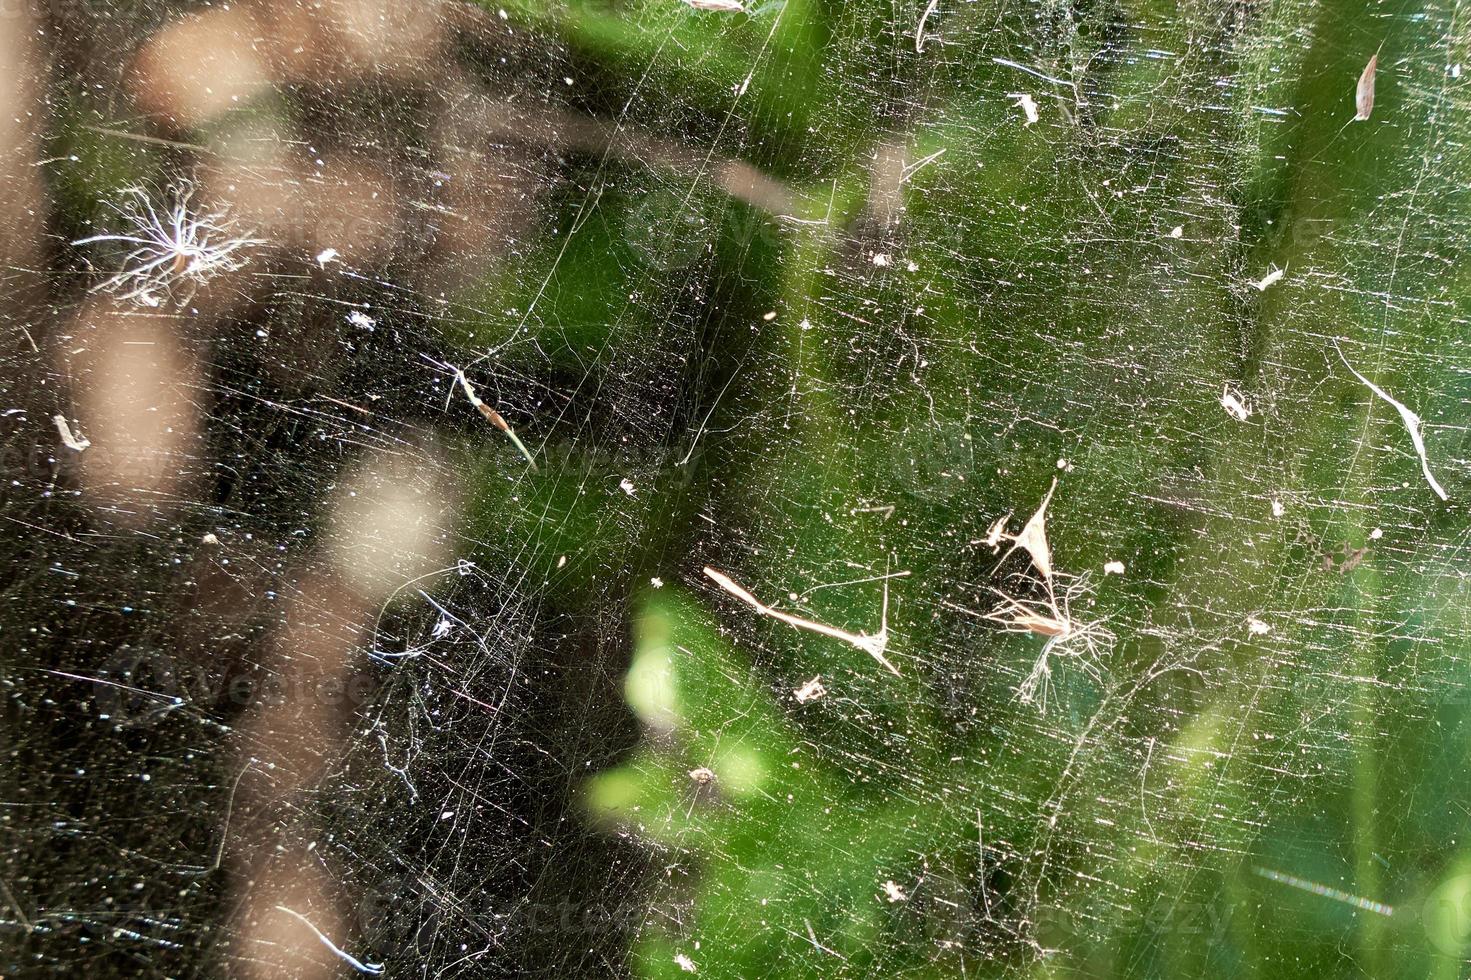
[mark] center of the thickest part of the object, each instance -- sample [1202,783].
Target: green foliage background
[1080,290]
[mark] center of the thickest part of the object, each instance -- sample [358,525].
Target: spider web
[797,311]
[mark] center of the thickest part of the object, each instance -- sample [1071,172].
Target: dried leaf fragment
[1033,538]
[68,439]
[1364,94]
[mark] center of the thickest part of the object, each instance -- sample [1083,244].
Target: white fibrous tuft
[171,250]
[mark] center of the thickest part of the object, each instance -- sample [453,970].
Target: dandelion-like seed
[170,254]
[1067,636]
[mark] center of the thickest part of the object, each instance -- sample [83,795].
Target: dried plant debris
[496,420]
[872,644]
[1033,539]
[924,18]
[1050,617]
[1066,636]
[996,531]
[348,958]
[1364,93]
[1411,420]
[171,249]
[68,438]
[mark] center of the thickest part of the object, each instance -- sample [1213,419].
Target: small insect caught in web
[1235,404]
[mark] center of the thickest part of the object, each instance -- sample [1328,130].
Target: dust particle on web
[1277,509]
[325,256]
[1257,627]
[657,582]
[702,776]
[626,485]
[1177,232]
[719,7]
[1113,568]
[685,963]
[894,892]
[209,538]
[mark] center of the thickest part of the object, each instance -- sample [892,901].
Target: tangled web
[668,487]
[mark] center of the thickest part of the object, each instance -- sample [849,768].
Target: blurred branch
[22,192]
